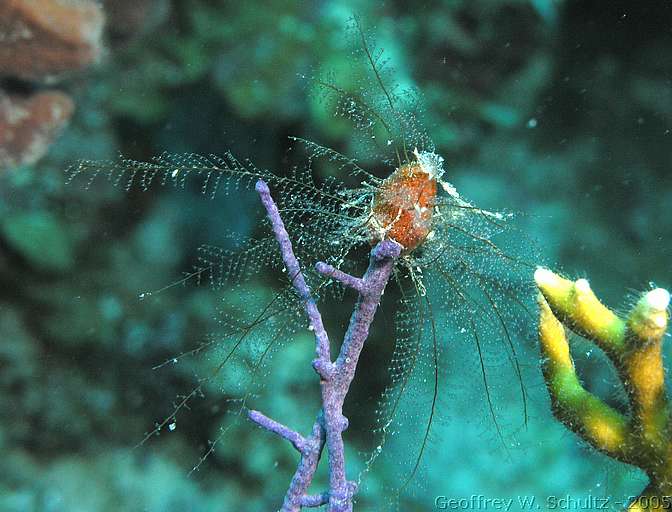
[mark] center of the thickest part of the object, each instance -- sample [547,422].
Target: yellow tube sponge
[575,304]
[643,438]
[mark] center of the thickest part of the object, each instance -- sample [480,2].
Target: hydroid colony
[454,278]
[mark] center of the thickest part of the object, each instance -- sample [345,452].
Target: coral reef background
[560,110]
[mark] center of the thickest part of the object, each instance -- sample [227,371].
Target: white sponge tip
[658,299]
[543,276]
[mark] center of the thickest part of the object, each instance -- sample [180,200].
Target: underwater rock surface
[45,38]
[29,124]
[41,41]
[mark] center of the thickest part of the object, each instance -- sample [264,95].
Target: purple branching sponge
[335,376]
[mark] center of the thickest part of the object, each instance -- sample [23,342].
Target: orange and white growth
[403,206]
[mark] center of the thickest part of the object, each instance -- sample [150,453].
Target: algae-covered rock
[40,238]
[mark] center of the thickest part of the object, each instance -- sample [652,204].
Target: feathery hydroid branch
[634,346]
[336,376]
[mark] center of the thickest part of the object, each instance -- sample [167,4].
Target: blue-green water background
[559,110]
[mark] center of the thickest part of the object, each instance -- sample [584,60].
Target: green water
[559,112]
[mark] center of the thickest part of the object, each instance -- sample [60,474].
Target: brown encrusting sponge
[41,41]
[45,38]
[29,124]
